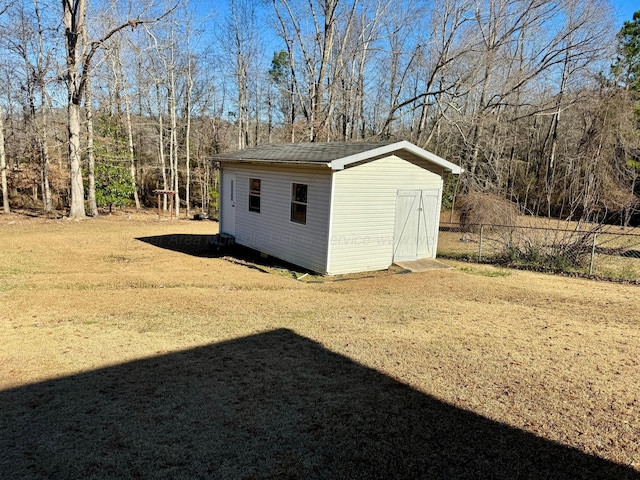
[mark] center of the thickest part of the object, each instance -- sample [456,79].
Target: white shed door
[416,224]
[228,203]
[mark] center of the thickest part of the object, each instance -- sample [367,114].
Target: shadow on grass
[201,246]
[271,405]
[196,245]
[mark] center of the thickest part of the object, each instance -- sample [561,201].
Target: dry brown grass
[123,359]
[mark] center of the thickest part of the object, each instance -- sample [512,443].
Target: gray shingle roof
[301,152]
[335,155]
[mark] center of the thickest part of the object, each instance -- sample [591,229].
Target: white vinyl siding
[272,231]
[363,218]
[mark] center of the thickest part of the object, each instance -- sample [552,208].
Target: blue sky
[624,9]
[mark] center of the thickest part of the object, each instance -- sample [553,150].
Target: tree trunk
[132,166]
[91,175]
[550,177]
[77,209]
[74,18]
[173,151]
[3,166]
[44,149]
[187,140]
[163,162]
[127,109]
[46,161]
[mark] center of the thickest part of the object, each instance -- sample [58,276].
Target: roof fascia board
[340,163]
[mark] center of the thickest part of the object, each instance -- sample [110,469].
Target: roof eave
[271,162]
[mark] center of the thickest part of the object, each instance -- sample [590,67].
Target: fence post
[593,253]
[480,244]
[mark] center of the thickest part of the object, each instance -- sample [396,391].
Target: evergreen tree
[627,65]
[114,186]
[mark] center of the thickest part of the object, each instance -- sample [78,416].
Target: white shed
[334,208]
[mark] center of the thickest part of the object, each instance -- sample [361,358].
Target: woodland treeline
[105,102]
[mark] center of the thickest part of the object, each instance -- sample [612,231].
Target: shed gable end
[363,211]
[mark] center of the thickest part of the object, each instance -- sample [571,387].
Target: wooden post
[171,194]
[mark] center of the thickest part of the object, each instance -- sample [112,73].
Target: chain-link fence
[604,252]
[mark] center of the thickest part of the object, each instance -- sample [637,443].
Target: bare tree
[25,39]
[317,49]
[187,139]
[3,158]
[156,69]
[173,118]
[78,69]
[41,67]
[74,16]
[240,43]
[88,104]
[3,166]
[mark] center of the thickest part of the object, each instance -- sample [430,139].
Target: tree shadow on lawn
[271,405]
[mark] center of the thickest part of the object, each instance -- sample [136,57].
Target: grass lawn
[129,350]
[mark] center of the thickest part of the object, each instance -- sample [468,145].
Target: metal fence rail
[601,252]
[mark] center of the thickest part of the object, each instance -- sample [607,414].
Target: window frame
[255,194]
[295,203]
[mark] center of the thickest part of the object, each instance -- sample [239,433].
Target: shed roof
[336,155]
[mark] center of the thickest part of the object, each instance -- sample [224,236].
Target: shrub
[546,250]
[485,209]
